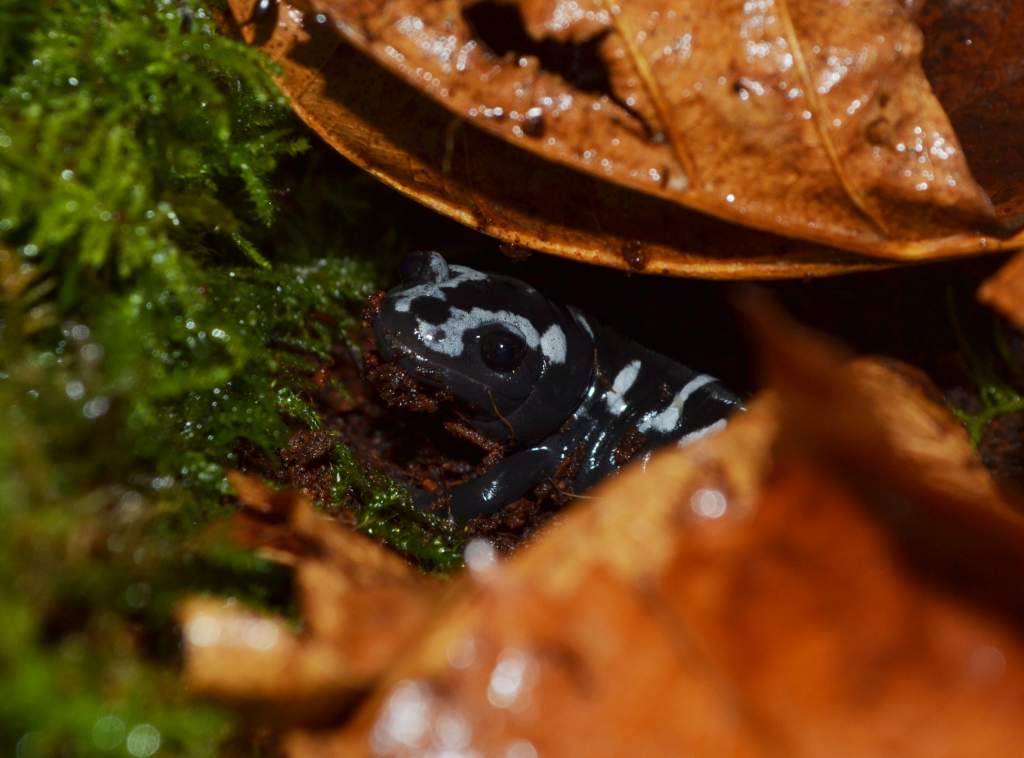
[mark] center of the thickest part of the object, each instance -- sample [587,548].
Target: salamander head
[516,363]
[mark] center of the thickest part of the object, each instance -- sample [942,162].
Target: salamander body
[544,381]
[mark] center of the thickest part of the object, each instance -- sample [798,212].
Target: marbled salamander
[543,380]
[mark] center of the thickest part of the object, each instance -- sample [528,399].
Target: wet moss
[386,513]
[172,276]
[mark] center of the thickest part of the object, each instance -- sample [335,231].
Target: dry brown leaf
[361,604]
[1005,291]
[413,144]
[806,118]
[881,414]
[255,662]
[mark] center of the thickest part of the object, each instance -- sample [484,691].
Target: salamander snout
[423,276]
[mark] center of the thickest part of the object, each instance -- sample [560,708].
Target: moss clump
[387,514]
[992,366]
[123,133]
[171,278]
[235,363]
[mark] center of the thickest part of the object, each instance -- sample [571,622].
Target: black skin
[479,336]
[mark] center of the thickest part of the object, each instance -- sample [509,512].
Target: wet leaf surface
[589,133]
[835,568]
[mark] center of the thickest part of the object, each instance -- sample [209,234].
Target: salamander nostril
[423,267]
[432,310]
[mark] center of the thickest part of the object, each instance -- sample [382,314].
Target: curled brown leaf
[360,605]
[595,125]
[255,662]
[1005,291]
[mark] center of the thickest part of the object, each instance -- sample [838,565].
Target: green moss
[994,370]
[387,513]
[211,375]
[163,313]
[119,130]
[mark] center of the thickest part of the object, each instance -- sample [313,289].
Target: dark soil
[1000,450]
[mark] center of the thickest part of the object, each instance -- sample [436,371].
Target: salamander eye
[502,351]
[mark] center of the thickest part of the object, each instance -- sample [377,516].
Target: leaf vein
[650,84]
[819,115]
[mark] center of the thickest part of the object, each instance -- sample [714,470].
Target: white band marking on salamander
[668,419]
[553,344]
[582,321]
[447,338]
[615,397]
[461,274]
[707,431]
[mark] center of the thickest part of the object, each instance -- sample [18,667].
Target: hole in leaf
[501,29]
